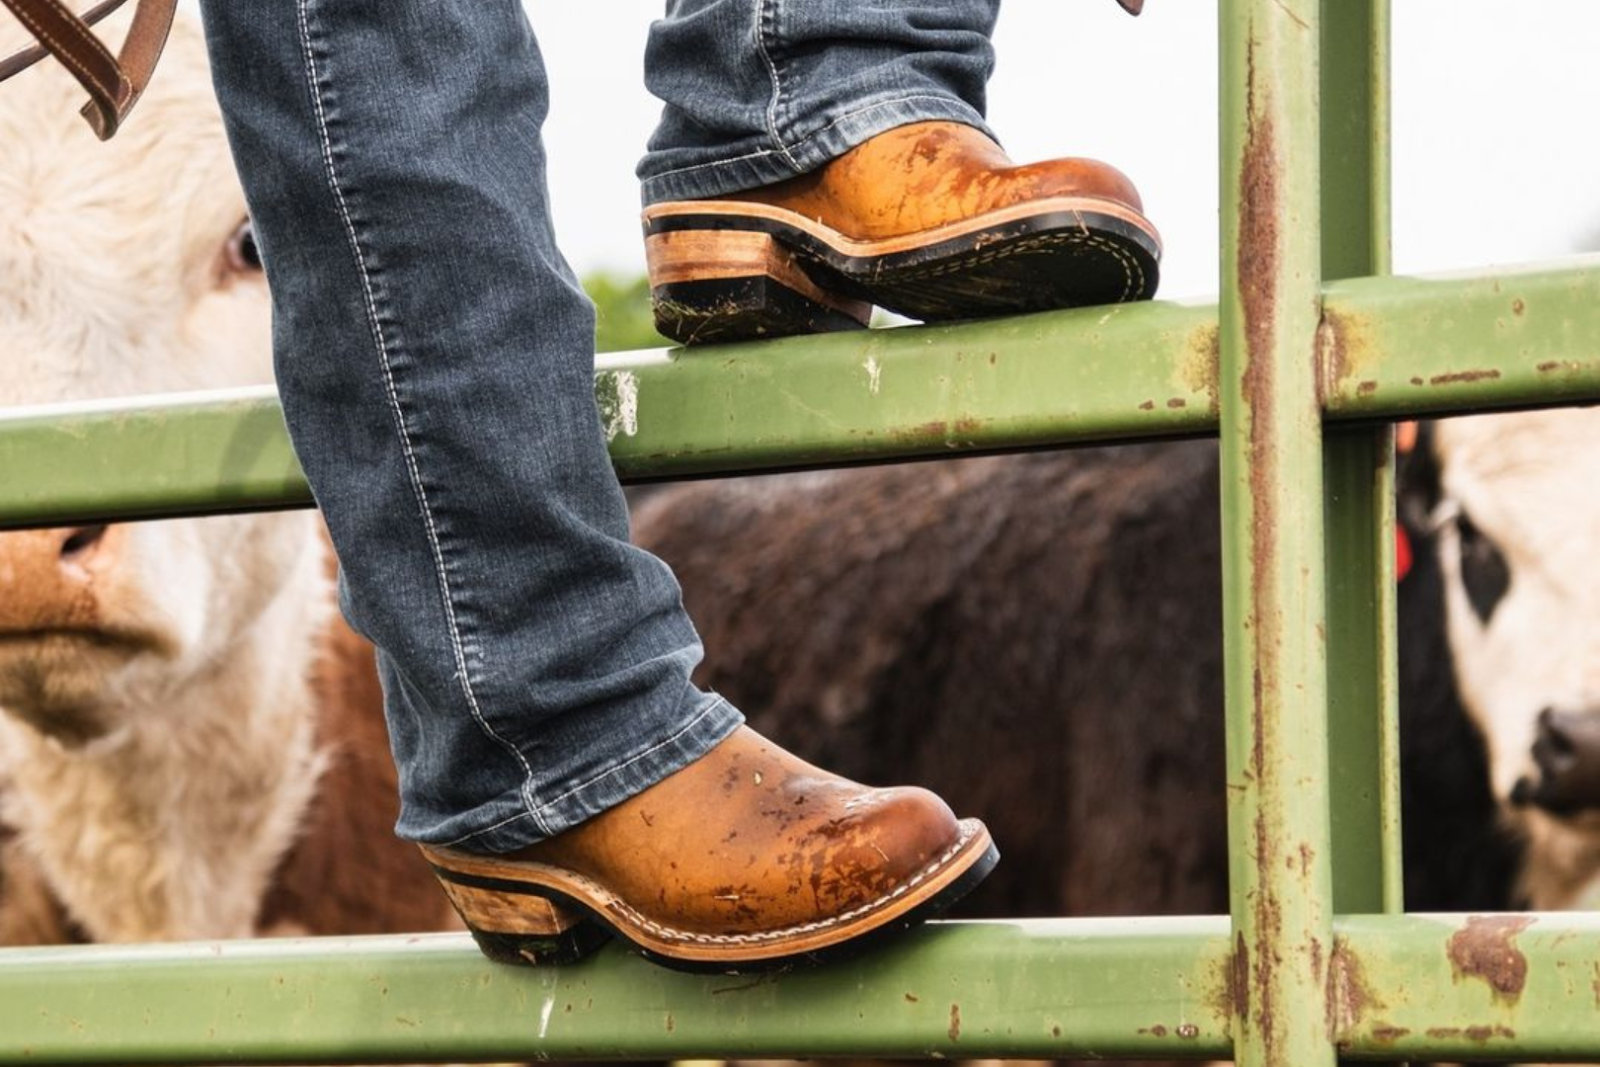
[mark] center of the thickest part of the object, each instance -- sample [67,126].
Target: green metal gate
[1298,368]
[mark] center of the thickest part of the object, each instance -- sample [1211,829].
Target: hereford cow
[190,741]
[1510,498]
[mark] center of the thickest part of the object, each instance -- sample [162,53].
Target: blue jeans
[434,354]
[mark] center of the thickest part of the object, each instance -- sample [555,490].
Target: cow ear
[1417,483]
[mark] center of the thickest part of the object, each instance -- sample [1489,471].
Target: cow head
[1518,524]
[127,268]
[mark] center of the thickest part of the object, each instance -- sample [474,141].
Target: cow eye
[1484,571]
[242,254]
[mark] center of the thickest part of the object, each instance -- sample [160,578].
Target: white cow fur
[155,791]
[1525,481]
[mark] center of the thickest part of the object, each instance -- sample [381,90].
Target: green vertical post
[1272,477]
[1363,703]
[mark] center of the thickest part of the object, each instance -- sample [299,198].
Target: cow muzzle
[49,579]
[1566,755]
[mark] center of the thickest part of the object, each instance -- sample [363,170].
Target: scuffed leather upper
[751,838]
[927,174]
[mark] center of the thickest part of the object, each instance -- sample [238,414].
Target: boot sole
[729,270]
[536,913]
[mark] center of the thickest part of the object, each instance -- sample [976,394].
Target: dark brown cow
[1038,638]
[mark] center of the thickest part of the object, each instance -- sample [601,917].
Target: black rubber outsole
[1037,263]
[718,310]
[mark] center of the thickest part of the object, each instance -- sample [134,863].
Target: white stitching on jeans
[652,750]
[777,86]
[302,9]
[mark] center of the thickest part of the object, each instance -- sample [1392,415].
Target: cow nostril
[1553,733]
[81,540]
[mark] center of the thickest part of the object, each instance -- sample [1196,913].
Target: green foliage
[622,306]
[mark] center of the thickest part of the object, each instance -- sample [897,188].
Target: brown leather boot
[930,220]
[746,858]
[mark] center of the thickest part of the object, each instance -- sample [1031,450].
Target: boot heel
[734,285]
[522,927]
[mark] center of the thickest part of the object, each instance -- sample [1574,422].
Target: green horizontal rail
[1142,987]
[1522,987]
[1436,987]
[1391,348]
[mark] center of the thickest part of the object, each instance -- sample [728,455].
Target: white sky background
[1496,159]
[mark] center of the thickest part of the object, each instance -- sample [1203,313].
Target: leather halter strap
[114,82]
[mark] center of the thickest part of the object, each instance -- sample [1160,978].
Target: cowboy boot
[746,858]
[931,220]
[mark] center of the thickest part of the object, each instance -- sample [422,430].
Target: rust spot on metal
[1549,365]
[1343,352]
[1148,405]
[1200,370]
[968,426]
[1418,381]
[1188,1031]
[1464,376]
[1481,1034]
[1177,402]
[1367,388]
[911,998]
[1350,996]
[955,1022]
[1388,1035]
[1158,1030]
[1484,949]
[1518,307]
[1055,1031]
[1257,271]
[1236,990]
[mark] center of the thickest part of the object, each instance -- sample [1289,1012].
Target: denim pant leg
[435,357]
[757,91]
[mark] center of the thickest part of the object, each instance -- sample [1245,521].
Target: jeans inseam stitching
[785,150]
[762,9]
[652,750]
[392,393]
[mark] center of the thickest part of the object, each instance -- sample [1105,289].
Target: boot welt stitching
[666,933]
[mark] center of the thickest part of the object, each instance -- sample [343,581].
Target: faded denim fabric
[434,354]
[757,91]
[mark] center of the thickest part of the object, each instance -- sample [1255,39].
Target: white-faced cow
[190,744]
[1517,523]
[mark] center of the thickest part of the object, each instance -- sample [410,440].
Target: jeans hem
[706,728]
[809,152]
